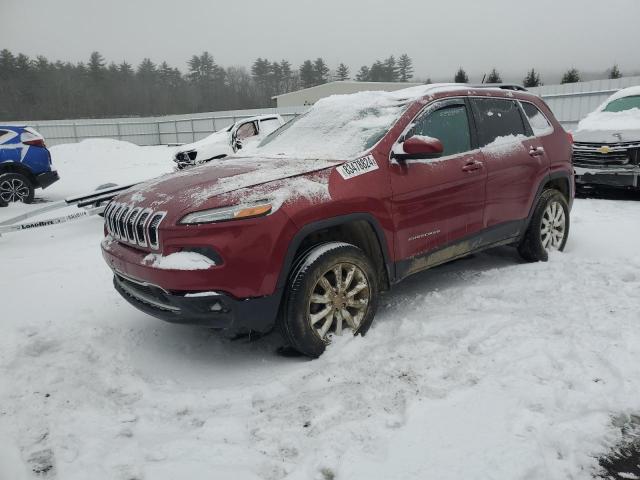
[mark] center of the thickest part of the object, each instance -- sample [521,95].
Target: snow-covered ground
[487,368]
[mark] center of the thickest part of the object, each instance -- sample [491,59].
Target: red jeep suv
[340,204]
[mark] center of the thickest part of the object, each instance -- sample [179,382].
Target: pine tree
[494,77]
[615,72]
[343,72]
[364,75]
[377,72]
[391,73]
[405,67]
[96,64]
[461,76]
[321,71]
[287,76]
[571,76]
[532,79]
[307,74]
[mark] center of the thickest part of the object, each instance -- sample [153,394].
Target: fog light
[216,307]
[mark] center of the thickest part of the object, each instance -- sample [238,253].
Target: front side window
[449,124]
[245,131]
[497,120]
[268,125]
[539,123]
[622,104]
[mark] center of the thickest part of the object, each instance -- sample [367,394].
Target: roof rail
[503,86]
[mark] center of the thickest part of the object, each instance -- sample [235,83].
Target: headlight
[236,212]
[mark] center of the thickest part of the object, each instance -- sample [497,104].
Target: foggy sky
[440,36]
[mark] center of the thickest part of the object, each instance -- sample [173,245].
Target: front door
[439,201]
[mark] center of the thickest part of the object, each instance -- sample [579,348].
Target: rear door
[439,201]
[515,159]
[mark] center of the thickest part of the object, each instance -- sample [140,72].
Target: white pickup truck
[242,134]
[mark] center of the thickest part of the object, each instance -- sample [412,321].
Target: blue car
[25,164]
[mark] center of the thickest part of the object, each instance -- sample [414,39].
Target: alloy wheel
[14,190]
[554,226]
[339,300]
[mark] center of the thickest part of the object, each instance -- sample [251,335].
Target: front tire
[549,228]
[333,289]
[15,187]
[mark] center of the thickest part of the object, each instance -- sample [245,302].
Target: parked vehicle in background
[242,134]
[340,204]
[25,164]
[607,143]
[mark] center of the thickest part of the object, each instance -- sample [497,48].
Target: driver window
[449,124]
[245,131]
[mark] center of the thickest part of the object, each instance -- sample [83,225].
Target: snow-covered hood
[206,186]
[218,143]
[609,127]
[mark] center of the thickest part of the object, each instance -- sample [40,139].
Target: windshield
[624,103]
[336,128]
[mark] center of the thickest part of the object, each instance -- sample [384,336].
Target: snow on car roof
[625,92]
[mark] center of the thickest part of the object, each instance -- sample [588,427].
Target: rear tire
[548,229]
[333,288]
[15,187]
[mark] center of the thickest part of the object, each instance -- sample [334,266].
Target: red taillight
[32,138]
[570,135]
[36,142]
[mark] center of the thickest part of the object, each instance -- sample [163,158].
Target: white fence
[174,129]
[570,103]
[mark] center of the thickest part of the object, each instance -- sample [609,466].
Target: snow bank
[179,261]
[515,368]
[86,165]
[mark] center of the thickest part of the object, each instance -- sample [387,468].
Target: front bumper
[608,176]
[46,179]
[210,309]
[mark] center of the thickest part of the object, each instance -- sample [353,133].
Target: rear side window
[539,123]
[449,124]
[497,118]
[4,135]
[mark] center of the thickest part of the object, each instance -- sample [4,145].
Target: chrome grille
[133,225]
[606,155]
[155,220]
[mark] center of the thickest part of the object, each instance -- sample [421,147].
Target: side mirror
[419,147]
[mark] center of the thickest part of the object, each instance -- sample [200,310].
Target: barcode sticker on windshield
[358,167]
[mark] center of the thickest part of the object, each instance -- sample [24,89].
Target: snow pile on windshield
[179,261]
[341,126]
[624,120]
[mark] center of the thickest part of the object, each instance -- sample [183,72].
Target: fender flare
[15,167]
[310,228]
[543,183]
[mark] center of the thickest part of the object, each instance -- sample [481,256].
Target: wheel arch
[560,181]
[13,167]
[360,229]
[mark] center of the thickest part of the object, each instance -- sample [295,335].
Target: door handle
[472,166]
[536,152]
